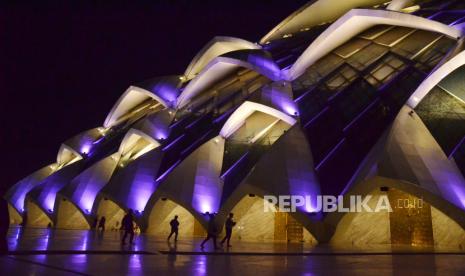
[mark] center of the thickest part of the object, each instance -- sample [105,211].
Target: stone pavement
[75,252]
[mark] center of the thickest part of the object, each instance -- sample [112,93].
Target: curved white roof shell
[67,155]
[355,22]
[84,141]
[315,13]
[221,66]
[132,137]
[397,5]
[132,97]
[435,78]
[237,118]
[216,47]
[165,87]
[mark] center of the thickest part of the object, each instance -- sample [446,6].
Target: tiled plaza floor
[67,252]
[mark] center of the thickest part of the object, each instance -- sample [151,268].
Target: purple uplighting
[168,171]
[234,165]
[166,88]
[173,142]
[290,108]
[456,192]
[49,202]
[140,194]
[264,64]
[88,184]
[85,148]
[206,197]
[87,199]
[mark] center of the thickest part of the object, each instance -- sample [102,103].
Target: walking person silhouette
[212,231]
[127,225]
[229,224]
[174,223]
[101,224]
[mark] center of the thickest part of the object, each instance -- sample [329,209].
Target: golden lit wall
[164,211]
[69,217]
[446,232]
[363,228]
[15,217]
[410,221]
[112,212]
[35,216]
[254,224]
[413,222]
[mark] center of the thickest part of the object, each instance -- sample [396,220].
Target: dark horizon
[64,66]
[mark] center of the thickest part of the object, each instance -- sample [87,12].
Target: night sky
[64,66]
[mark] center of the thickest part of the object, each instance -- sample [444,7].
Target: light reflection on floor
[224,265]
[31,239]
[91,253]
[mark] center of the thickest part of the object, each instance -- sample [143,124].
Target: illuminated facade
[335,100]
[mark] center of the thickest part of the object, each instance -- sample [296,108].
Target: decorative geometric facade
[341,98]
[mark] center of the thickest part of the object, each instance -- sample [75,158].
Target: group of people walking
[127,225]
[212,230]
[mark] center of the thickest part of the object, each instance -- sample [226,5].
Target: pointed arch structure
[84,142]
[162,90]
[412,154]
[162,207]
[236,119]
[363,188]
[218,68]
[84,188]
[44,195]
[133,181]
[291,176]
[139,141]
[16,195]
[67,155]
[232,118]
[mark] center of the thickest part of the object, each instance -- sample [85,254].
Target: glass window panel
[315,73]
[353,100]
[383,72]
[414,43]
[341,78]
[393,35]
[444,116]
[372,80]
[324,133]
[387,68]
[349,73]
[351,47]
[367,56]
[448,17]
[336,82]
[433,55]
[395,62]
[454,83]
[374,32]
[327,64]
